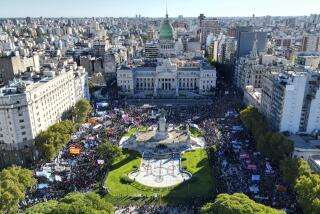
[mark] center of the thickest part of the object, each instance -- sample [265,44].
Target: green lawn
[200,185]
[195,132]
[131,132]
[143,128]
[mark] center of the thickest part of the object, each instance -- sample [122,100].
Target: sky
[156,8]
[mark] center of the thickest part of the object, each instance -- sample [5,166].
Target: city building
[151,51]
[166,79]
[245,39]
[31,106]
[290,100]
[166,38]
[311,43]
[207,26]
[249,70]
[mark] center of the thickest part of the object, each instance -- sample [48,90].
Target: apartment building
[28,107]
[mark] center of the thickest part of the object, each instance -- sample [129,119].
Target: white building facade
[167,78]
[28,108]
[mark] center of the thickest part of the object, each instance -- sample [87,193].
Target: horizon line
[35,17]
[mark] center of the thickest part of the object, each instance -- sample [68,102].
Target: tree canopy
[308,190]
[82,109]
[76,202]
[273,145]
[51,141]
[293,168]
[108,152]
[237,203]
[14,181]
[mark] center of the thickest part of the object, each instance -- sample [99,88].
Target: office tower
[245,40]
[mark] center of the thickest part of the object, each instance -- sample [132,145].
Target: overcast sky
[156,8]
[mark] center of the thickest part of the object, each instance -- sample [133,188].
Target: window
[21,121]
[23,133]
[22,127]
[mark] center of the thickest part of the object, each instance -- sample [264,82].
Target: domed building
[167,76]
[166,39]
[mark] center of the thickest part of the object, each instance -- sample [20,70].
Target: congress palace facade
[169,75]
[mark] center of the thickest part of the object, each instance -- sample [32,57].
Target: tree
[14,182]
[207,208]
[51,141]
[91,86]
[254,121]
[43,208]
[308,190]
[280,147]
[82,109]
[212,151]
[273,145]
[236,204]
[64,127]
[109,153]
[75,202]
[289,169]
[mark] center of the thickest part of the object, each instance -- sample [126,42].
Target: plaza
[160,148]
[160,171]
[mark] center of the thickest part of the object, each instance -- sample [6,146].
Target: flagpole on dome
[167,9]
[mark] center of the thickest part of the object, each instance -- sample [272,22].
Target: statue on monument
[162,122]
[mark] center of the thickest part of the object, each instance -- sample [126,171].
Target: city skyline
[126,8]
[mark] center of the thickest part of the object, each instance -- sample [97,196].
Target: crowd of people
[157,209]
[239,168]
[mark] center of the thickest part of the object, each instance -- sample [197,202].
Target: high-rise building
[311,43]
[10,66]
[28,20]
[29,107]
[290,100]
[245,39]
[248,70]
[100,47]
[110,65]
[207,26]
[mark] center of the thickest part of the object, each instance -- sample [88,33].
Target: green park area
[194,132]
[200,185]
[131,132]
[143,128]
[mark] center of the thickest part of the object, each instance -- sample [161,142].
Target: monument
[160,146]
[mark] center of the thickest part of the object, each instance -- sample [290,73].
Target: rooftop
[305,142]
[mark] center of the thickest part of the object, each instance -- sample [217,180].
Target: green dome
[166,30]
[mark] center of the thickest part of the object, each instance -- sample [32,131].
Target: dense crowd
[157,209]
[239,168]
